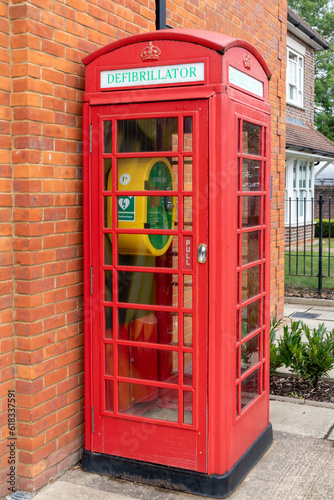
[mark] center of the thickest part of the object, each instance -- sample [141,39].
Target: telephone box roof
[212,40]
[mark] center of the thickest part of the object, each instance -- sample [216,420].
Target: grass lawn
[310,266]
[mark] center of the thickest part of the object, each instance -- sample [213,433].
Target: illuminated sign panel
[134,77]
[245,82]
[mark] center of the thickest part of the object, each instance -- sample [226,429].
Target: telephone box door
[149,231]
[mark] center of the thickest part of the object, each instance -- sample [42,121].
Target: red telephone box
[177,224]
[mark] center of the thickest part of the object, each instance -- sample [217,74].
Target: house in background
[305,146]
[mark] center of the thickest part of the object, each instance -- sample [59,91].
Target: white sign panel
[245,82]
[135,77]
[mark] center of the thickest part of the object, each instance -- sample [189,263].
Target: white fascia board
[296,46]
[313,157]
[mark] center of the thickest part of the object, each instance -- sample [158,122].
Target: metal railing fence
[308,241]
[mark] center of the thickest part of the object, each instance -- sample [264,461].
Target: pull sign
[187,252]
[201,256]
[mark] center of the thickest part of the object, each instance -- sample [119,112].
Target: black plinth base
[197,483]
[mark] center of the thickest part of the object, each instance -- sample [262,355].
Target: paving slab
[324,315]
[64,490]
[323,308]
[294,468]
[291,308]
[331,436]
[301,419]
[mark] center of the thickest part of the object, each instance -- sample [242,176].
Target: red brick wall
[304,234]
[7,371]
[327,191]
[41,199]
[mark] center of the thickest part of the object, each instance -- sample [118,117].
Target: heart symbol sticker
[124,203]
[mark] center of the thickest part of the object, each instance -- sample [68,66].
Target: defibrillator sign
[134,77]
[126,208]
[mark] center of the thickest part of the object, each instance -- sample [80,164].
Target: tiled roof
[308,140]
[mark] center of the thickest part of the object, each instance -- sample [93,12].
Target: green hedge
[325,228]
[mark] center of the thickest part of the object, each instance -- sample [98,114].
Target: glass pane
[148,250]
[108,315]
[249,388]
[250,318]
[237,400]
[292,56]
[188,133]
[188,174]
[147,174]
[251,138]
[249,353]
[139,325]
[108,296]
[148,364]
[147,401]
[188,330]
[147,288]
[107,137]
[188,213]
[239,137]
[107,249]
[151,134]
[109,393]
[251,175]
[238,288]
[188,407]
[107,174]
[250,282]
[237,374]
[250,211]
[238,326]
[250,247]
[187,291]
[109,359]
[187,368]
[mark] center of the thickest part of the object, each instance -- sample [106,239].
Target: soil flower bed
[294,387]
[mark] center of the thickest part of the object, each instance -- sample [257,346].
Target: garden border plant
[311,360]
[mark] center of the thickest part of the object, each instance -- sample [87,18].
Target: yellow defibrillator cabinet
[144,212]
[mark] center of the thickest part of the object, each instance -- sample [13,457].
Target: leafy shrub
[310,360]
[290,346]
[318,352]
[325,228]
[275,357]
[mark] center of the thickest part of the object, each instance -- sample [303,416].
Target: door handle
[201,253]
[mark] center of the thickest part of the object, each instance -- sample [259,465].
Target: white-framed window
[294,78]
[299,186]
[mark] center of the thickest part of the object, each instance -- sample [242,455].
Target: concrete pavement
[298,466]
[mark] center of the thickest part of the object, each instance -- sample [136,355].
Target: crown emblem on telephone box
[150,52]
[247,61]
